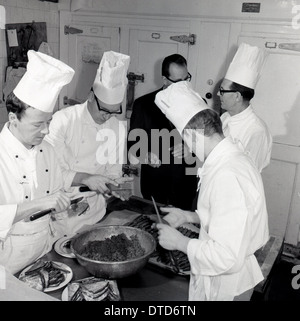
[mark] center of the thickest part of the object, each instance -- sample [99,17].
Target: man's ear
[165,81]
[90,97]
[239,96]
[12,117]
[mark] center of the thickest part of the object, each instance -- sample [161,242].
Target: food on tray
[160,257]
[44,274]
[93,289]
[116,248]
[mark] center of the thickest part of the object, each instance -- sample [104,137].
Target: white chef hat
[43,80]
[180,103]
[111,79]
[246,65]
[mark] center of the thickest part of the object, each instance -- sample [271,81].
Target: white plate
[61,249]
[68,276]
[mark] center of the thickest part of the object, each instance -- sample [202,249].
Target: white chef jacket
[82,146]
[234,224]
[25,175]
[252,132]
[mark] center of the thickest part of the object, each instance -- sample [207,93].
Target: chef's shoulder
[68,113]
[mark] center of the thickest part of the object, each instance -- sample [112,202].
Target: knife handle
[40,214]
[84,189]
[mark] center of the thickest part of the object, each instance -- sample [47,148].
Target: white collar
[14,146]
[242,115]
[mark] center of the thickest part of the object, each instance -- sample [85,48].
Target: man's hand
[171,239]
[59,201]
[175,216]
[180,151]
[98,183]
[152,160]
[124,188]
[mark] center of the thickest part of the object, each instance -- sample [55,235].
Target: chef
[90,140]
[231,207]
[240,120]
[30,174]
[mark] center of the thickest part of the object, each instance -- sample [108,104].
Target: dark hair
[15,105]
[208,120]
[175,58]
[246,92]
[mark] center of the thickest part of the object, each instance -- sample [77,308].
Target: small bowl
[113,270]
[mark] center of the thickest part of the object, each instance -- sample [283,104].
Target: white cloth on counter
[82,146]
[253,134]
[234,224]
[24,242]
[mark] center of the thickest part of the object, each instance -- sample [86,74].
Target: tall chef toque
[246,65]
[111,79]
[43,80]
[180,103]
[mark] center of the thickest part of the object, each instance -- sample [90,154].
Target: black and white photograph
[150,153]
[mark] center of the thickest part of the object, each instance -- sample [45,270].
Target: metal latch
[132,77]
[190,39]
[72,31]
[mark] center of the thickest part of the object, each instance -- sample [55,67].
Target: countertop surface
[152,283]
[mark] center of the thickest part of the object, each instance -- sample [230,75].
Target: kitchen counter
[152,283]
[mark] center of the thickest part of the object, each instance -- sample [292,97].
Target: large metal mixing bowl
[113,270]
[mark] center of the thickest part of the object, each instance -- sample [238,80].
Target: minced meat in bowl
[113,251]
[116,248]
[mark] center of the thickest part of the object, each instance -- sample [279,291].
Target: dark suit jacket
[169,183]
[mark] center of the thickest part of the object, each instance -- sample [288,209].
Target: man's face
[176,73]
[32,127]
[106,111]
[228,99]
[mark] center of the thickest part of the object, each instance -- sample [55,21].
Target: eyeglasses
[118,112]
[187,78]
[222,91]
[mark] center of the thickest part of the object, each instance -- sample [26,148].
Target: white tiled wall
[22,11]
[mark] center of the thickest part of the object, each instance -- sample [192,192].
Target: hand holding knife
[39,214]
[161,221]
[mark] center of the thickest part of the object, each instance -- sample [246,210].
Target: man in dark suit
[169,182]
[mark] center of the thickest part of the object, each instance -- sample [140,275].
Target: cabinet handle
[271,45]
[155,35]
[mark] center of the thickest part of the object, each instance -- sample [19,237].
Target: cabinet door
[147,49]
[85,49]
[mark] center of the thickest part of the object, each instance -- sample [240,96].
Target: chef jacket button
[17,156]
[24,176]
[47,170]
[26,197]
[82,141]
[47,192]
[41,150]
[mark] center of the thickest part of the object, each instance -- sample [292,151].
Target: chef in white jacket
[240,121]
[31,179]
[231,206]
[90,140]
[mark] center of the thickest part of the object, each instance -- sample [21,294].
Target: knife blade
[39,214]
[172,259]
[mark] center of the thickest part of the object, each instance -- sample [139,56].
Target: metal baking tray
[160,257]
